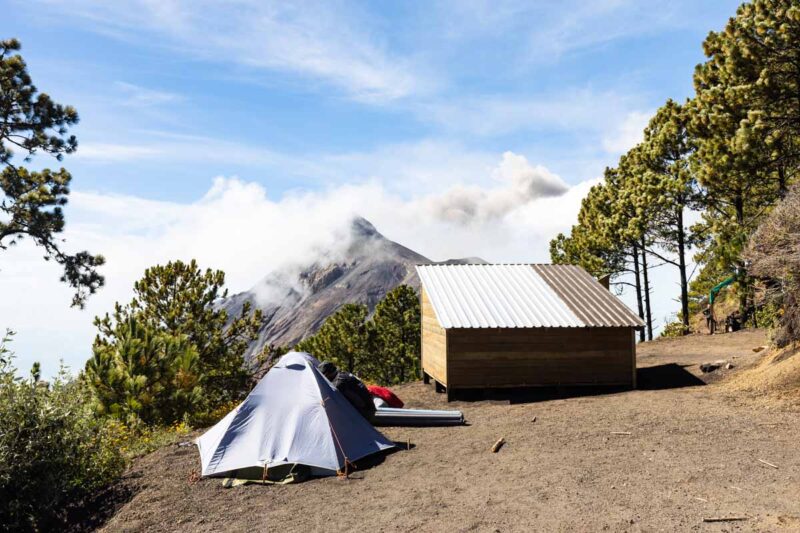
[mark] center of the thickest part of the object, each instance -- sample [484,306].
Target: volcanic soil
[679,450]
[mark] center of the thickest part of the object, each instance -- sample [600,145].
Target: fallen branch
[768,464]
[498,444]
[725,518]
[620,432]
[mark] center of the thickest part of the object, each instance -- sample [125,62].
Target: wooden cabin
[522,325]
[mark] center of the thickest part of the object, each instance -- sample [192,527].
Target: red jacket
[386,395]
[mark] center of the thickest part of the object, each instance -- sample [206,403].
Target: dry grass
[775,380]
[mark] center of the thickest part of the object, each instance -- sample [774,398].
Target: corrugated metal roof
[520,296]
[493,296]
[593,303]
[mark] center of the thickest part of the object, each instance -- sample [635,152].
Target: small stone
[710,367]
[729,366]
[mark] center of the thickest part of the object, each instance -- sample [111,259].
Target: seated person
[351,387]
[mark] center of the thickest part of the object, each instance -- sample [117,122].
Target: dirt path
[691,454]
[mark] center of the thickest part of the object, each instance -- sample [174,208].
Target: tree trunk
[637,278]
[738,204]
[648,313]
[782,188]
[682,269]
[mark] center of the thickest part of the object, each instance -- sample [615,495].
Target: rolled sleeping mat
[390,416]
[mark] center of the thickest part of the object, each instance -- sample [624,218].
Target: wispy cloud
[152,145]
[319,41]
[544,32]
[136,96]
[407,168]
[575,110]
[628,132]
[110,152]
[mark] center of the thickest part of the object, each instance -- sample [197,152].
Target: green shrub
[143,439]
[53,450]
[767,315]
[673,329]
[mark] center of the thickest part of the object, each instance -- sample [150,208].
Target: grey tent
[293,416]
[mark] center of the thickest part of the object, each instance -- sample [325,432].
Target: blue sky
[445,123]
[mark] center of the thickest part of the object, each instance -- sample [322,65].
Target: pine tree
[342,339]
[31,203]
[394,355]
[746,120]
[144,375]
[663,185]
[179,299]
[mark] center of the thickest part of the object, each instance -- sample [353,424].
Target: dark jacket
[356,392]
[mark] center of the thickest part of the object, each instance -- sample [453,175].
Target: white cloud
[238,228]
[137,96]
[573,110]
[544,32]
[111,152]
[410,168]
[153,145]
[627,133]
[316,40]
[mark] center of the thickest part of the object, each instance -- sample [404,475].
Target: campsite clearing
[670,456]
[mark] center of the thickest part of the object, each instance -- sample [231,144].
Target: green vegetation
[384,349]
[774,255]
[731,153]
[144,375]
[343,338]
[54,451]
[171,358]
[395,337]
[31,202]
[170,353]
[166,360]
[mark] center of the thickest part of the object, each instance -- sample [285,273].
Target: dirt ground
[661,458]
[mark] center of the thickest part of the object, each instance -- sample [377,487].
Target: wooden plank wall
[434,342]
[478,358]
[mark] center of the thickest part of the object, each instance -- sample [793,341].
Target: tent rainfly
[293,416]
[522,325]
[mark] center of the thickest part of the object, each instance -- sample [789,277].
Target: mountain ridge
[295,303]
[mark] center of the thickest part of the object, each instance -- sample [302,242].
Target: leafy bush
[673,329]
[141,440]
[53,450]
[204,419]
[768,315]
